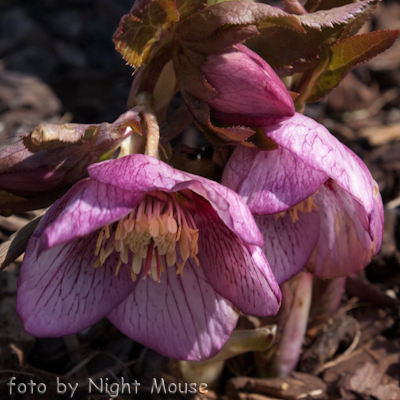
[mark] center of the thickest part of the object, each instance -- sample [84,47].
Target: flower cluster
[171,257]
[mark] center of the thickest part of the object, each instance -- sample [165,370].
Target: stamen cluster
[151,230]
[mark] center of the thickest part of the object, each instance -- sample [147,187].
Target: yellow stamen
[102,257]
[161,226]
[160,221]
[180,268]
[178,236]
[172,225]
[118,267]
[305,206]
[136,263]
[99,240]
[171,258]
[133,275]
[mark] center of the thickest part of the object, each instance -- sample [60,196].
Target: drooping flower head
[40,167]
[313,199]
[164,254]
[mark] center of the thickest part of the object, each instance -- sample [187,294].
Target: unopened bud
[250,92]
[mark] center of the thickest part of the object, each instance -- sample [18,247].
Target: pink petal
[270,181]
[231,209]
[320,150]
[181,317]
[344,247]
[288,245]
[61,293]
[247,85]
[88,206]
[140,173]
[31,183]
[238,272]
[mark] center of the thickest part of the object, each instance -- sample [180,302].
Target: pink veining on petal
[90,206]
[270,181]
[344,247]
[316,147]
[182,317]
[145,173]
[61,293]
[288,245]
[238,272]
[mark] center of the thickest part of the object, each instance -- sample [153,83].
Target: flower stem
[288,352]
[151,128]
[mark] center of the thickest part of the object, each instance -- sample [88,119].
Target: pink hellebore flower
[194,240]
[313,199]
[250,92]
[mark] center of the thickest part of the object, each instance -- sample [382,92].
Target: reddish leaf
[221,15]
[295,51]
[339,16]
[218,136]
[187,8]
[222,39]
[340,22]
[286,50]
[190,77]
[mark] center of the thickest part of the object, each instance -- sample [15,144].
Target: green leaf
[140,31]
[346,55]
[285,50]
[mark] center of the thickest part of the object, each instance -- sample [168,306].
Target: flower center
[153,229]
[306,205]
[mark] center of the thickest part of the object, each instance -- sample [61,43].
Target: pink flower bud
[250,92]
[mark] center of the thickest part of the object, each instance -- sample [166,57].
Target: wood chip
[297,386]
[327,343]
[379,135]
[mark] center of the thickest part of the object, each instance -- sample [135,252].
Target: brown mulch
[58,64]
